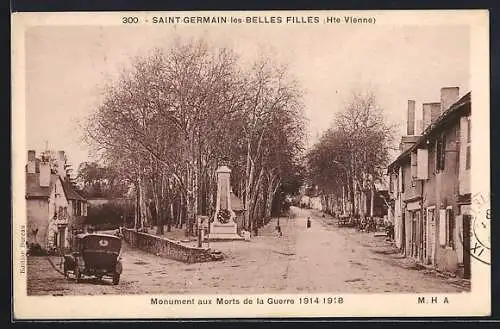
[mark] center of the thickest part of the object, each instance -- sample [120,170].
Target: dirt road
[321,259]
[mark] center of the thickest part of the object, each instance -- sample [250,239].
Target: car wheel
[116,279]
[78,275]
[65,271]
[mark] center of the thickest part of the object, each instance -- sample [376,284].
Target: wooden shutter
[464,157]
[442,227]
[422,164]
[413,163]
[400,180]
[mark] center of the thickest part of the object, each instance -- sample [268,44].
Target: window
[78,208]
[430,215]
[440,152]
[413,160]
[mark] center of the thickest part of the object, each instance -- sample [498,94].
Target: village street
[321,259]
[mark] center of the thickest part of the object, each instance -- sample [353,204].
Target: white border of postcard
[474,303]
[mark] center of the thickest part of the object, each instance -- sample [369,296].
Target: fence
[167,248]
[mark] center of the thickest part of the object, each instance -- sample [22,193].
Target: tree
[179,113]
[352,155]
[101,181]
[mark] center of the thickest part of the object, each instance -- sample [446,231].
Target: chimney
[449,95]
[426,114]
[31,167]
[410,121]
[61,161]
[435,111]
[419,128]
[407,142]
[44,174]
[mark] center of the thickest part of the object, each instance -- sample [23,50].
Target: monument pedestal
[223,227]
[220,231]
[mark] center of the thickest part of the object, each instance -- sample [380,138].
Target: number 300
[130,20]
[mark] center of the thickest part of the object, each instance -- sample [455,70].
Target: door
[61,243]
[466,254]
[413,234]
[425,257]
[403,233]
[431,219]
[419,236]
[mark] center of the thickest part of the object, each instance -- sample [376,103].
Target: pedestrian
[308,222]
[278,229]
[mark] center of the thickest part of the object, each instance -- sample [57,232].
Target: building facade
[430,184]
[54,209]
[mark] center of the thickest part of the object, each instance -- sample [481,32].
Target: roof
[33,188]
[462,106]
[71,194]
[236,203]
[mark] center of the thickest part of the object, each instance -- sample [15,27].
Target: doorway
[466,236]
[431,222]
[425,255]
[61,237]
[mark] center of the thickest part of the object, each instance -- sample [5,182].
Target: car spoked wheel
[116,279]
[78,275]
[66,271]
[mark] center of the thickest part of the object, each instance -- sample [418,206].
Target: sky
[68,67]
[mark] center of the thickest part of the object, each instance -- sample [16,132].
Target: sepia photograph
[300,159]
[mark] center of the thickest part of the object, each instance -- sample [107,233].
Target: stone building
[54,208]
[430,184]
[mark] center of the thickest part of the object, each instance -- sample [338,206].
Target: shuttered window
[440,152]
[467,157]
[413,160]
[468,130]
[422,164]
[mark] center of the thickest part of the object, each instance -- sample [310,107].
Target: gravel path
[321,259]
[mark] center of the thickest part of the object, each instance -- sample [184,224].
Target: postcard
[250,164]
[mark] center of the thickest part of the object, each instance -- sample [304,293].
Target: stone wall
[167,248]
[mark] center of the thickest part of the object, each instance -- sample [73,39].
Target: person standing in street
[308,222]
[278,228]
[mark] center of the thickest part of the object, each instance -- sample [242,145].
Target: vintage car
[95,255]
